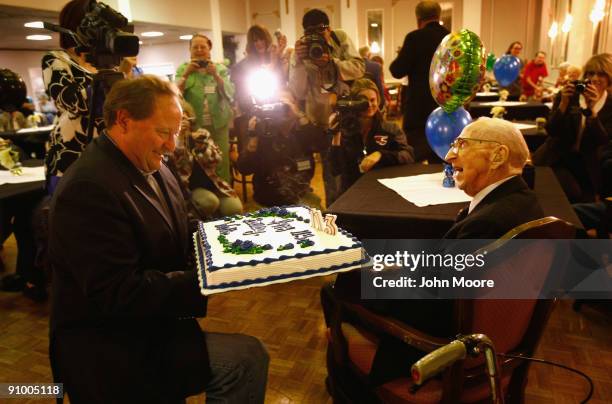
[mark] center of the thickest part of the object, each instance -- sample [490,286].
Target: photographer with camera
[324,61]
[67,75]
[93,37]
[362,139]
[260,51]
[579,127]
[206,86]
[279,154]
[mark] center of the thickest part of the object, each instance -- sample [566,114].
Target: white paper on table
[29,174]
[47,128]
[521,126]
[425,189]
[485,94]
[503,103]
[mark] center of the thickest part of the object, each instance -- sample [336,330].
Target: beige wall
[266,13]
[175,12]
[233,16]
[504,22]
[28,65]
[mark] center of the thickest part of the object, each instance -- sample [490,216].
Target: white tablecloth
[425,189]
[30,174]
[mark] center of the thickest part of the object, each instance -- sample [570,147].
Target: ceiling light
[38,37]
[186,37]
[34,24]
[151,34]
[374,24]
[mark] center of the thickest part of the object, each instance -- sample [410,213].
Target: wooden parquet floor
[289,321]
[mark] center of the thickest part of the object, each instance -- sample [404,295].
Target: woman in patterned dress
[67,75]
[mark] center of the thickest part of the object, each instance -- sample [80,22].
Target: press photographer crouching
[279,153]
[362,139]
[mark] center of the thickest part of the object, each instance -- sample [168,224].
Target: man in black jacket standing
[125,297]
[413,61]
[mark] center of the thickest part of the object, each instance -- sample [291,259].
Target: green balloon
[457,69]
[490,62]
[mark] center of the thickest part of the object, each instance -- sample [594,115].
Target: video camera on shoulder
[315,41]
[349,108]
[104,34]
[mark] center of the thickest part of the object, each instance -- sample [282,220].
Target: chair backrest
[514,323]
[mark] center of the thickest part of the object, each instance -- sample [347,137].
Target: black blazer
[124,295]
[414,60]
[507,206]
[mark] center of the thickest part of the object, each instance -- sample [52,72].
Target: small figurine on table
[449,181]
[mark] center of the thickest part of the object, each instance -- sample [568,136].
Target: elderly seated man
[488,158]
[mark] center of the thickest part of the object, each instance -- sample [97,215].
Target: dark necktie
[462,214]
[158,192]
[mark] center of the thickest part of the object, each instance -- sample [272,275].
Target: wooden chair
[515,326]
[236,135]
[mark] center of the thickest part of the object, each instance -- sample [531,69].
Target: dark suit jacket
[124,298]
[413,61]
[507,206]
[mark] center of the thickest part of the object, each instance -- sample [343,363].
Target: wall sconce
[567,24]
[375,47]
[375,30]
[598,12]
[554,30]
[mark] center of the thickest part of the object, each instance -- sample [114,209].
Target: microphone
[436,361]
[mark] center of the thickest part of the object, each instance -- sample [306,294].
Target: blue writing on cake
[282,225]
[257,227]
[302,235]
[226,228]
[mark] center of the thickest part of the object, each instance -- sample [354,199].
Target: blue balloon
[507,69]
[442,128]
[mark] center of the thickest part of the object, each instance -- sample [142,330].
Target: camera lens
[315,51]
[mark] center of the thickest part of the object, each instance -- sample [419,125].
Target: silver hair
[504,132]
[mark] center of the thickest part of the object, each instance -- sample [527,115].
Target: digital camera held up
[203,64]
[580,85]
[316,43]
[349,108]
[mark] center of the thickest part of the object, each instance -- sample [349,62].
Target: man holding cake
[125,296]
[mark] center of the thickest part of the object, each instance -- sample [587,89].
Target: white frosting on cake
[221,271]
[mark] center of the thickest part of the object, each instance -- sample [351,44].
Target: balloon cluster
[456,72]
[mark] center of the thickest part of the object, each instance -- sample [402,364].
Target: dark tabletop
[529,111]
[10,190]
[32,143]
[371,210]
